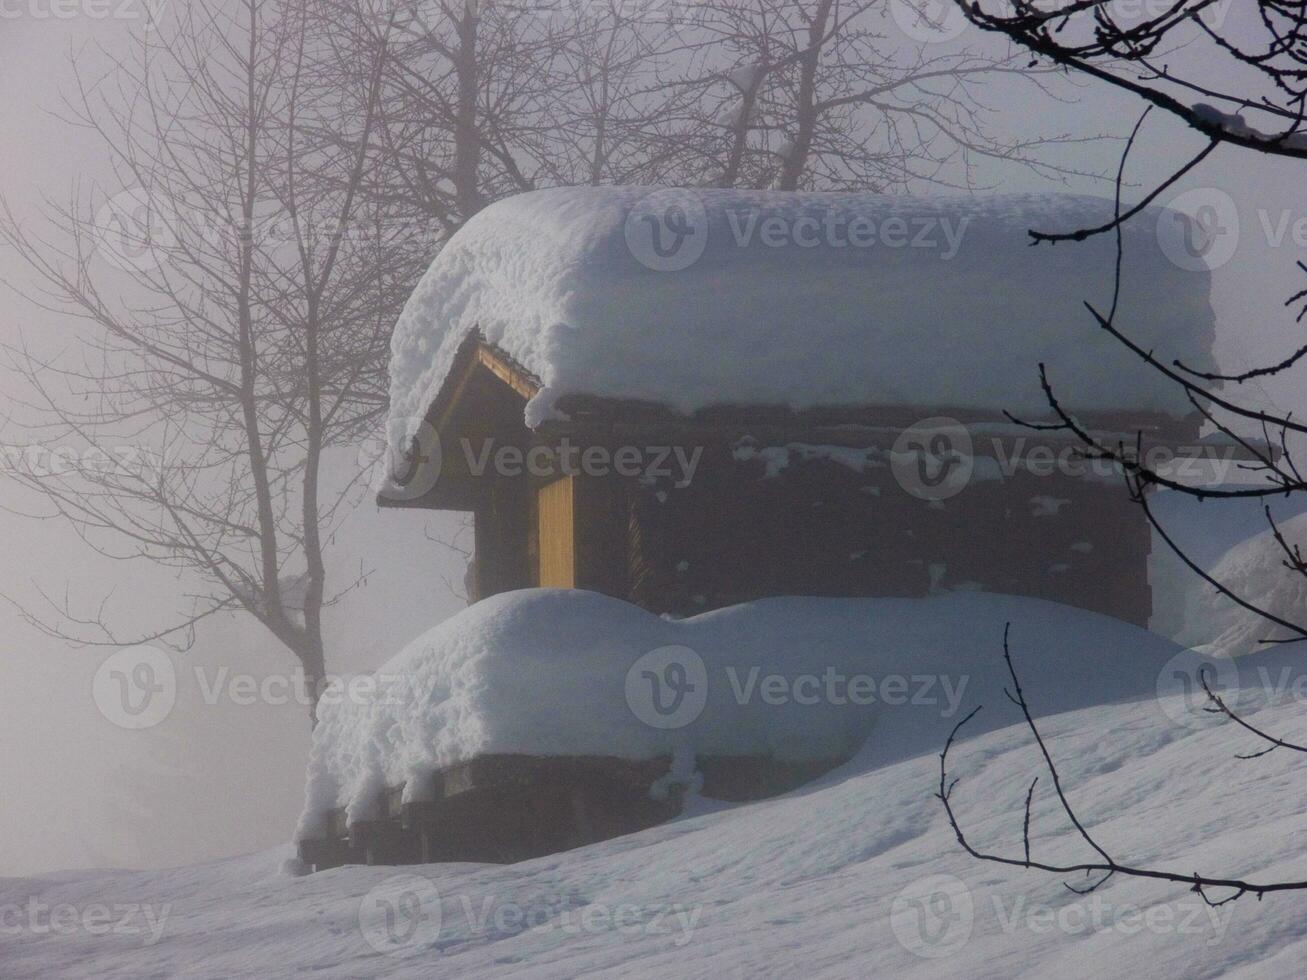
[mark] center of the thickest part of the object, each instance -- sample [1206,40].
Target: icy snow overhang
[698,299]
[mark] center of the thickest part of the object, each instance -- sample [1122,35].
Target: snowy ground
[839,880]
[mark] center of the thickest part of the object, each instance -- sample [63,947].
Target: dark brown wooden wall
[820,529]
[817,528]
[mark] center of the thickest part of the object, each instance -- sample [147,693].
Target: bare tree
[237,292]
[461,120]
[803,96]
[487,99]
[1254,101]
[284,169]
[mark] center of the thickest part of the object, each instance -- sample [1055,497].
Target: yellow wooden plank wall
[557,534]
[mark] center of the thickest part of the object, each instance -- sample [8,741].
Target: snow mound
[557,672]
[700,298]
[1255,571]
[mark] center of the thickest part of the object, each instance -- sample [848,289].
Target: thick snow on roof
[558,672]
[702,298]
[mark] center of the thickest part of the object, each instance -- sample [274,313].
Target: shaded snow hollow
[801,300]
[560,672]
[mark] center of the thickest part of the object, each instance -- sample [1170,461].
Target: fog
[222,777]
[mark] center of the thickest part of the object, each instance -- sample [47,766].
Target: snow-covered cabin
[689,399]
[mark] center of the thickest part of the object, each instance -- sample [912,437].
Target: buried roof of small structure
[701,299]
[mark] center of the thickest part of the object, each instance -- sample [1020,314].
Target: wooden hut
[683,514]
[636,394]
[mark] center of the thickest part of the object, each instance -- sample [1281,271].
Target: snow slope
[1228,538]
[1254,570]
[856,876]
[800,299]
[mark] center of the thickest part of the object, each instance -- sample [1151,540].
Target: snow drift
[801,299]
[557,672]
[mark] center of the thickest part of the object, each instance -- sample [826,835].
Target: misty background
[218,779]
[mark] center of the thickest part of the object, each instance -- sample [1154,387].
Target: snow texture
[801,300]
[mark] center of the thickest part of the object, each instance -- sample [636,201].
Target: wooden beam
[507,370]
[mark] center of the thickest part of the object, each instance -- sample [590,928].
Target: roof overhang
[486,392]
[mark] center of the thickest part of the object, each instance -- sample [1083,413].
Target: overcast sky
[226,778]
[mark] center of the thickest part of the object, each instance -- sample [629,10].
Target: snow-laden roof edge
[713,297]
